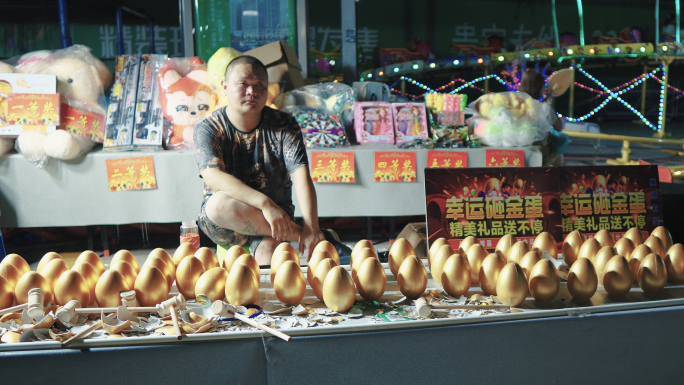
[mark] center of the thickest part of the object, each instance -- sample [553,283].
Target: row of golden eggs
[338,289]
[128,257]
[231,255]
[360,245]
[49,256]
[93,259]
[289,284]
[279,258]
[17,261]
[400,249]
[438,259]
[361,256]
[328,248]
[439,242]
[90,275]
[52,270]
[185,249]
[161,259]
[317,280]
[129,273]
[207,257]
[72,286]
[412,277]
[316,257]
[189,270]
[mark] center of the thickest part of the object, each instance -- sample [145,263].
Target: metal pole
[677,25]
[657,24]
[403,86]
[666,70]
[555,23]
[486,82]
[185,16]
[119,32]
[349,41]
[151,37]
[643,93]
[64,24]
[581,21]
[302,8]
[571,103]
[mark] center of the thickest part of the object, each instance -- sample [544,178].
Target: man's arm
[277,218]
[308,204]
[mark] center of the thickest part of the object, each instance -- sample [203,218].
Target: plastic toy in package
[447,108]
[410,122]
[509,119]
[121,109]
[186,98]
[318,128]
[373,122]
[333,98]
[149,120]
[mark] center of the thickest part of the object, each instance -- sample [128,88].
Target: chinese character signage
[395,166]
[84,123]
[487,203]
[332,166]
[615,198]
[506,158]
[447,159]
[131,174]
[33,109]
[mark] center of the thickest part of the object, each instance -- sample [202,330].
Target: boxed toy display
[373,122]
[149,120]
[410,121]
[120,113]
[28,103]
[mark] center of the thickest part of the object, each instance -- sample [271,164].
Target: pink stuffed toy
[186,98]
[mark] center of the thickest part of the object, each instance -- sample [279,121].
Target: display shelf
[77,193]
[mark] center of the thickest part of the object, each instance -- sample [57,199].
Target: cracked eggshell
[338,289]
[400,249]
[109,287]
[128,257]
[289,284]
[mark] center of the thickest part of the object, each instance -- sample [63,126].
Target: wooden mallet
[34,305]
[222,309]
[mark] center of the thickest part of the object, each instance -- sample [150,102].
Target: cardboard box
[281,62]
[416,234]
[26,84]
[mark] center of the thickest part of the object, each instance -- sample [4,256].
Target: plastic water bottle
[189,232]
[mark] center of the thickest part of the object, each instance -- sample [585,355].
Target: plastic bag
[318,128]
[186,98]
[333,98]
[511,119]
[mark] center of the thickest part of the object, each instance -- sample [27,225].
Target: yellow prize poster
[395,166]
[131,174]
[332,166]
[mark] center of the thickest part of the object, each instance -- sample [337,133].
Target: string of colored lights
[428,89]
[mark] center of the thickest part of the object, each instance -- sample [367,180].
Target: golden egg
[466,243]
[231,255]
[208,257]
[289,285]
[456,275]
[617,276]
[126,270]
[605,238]
[93,259]
[571,246]
[371,279]
[338,289]
[279,258]
[582,279]
[321,272]
[475,254]
[439,242]
[624,247]
[661,233]
[489,272]
[10,274]
[328,248]
[640,252]
[6,293]
[656,246]
[110,286]
[674,262]
[190,269]
[163,254]
[32,280]
[544,281]
[528,261]
[286,246]
[601,259]
[47,258]
[400,249]
[163,267]
[151,287]
[360,245]
[242,286]
[652,275]
[185,249]
[212,283]
[505,243]
[438,260]
[546,242]
[316,258]
[589,249]
[412,277]
[91,277]
[126,256]
[71,285]
[250,261]
[359,258]
[52,270]
[517,251]
[635,235]
[18,262]
[511,287]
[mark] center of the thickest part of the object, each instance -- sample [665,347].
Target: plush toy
[80,79]
[185,99]
[216,72]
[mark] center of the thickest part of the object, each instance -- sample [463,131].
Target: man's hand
[277,218]
[308,239]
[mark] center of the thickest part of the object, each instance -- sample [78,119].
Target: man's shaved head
[258,67]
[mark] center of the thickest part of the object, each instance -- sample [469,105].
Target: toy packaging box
[373,122]
[149,119]
[121,110]
[410,121]
[28,103]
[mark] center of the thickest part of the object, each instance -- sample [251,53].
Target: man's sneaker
[343,250]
